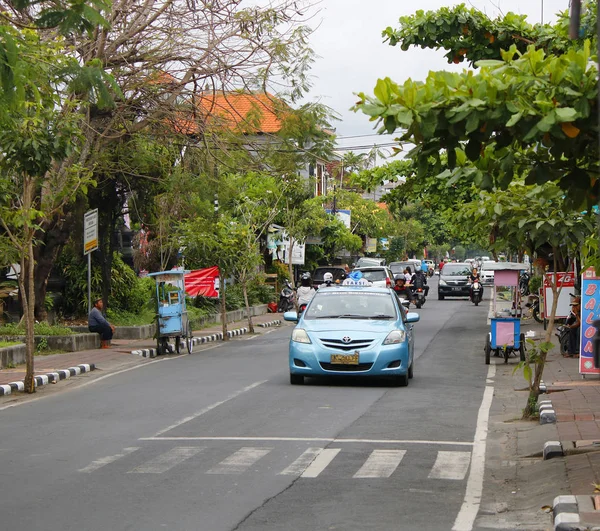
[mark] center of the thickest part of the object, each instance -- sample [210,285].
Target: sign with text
[203,282]
[90,231]
[590,311]
[567,281]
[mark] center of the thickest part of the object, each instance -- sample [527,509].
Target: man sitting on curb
[98,323]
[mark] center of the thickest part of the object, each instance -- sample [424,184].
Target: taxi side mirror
[412,317]
[290,316]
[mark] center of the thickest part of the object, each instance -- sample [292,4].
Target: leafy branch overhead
[529,114]
[468,34]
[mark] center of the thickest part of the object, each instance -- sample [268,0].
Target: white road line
[310,439]
[450,465]
[239,461]
[380,464]
[166,461]
[208,408]
[320,463]
[99,463]
[470,506]
[300,464]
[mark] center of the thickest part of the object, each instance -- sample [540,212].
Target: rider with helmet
[327,280]
[401,289]
[419,280]
[305,292]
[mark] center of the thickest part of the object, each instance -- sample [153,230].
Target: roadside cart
[505,337]
[171,313]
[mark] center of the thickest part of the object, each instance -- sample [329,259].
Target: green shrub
[144,316]
[535,283]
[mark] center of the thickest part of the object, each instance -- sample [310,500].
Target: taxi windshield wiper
[343,316]
[381,316]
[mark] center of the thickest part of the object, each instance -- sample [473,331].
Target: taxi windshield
[351,305]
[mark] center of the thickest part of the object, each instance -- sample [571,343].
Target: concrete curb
[553,449]
[276,322]
[217,336]
[567,511]
[547,412]
[44,379]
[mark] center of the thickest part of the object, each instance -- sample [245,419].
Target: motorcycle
[562,333]
[419,297]
[534,304]
[476,293]
[287,298]
[524,284]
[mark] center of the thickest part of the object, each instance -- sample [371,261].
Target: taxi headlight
[443,282]
[395,337]
[299,335]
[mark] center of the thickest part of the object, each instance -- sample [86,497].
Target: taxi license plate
[344,359]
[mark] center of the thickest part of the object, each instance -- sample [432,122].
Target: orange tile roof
[251,113]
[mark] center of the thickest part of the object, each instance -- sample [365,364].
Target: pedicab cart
[171,313]
[505,337]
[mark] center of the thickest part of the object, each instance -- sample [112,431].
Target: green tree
[34,133]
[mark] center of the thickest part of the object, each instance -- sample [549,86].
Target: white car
[378,276]
[487,276]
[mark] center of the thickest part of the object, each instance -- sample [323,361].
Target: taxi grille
[354,344]
[346,368]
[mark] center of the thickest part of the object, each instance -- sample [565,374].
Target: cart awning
[506,266]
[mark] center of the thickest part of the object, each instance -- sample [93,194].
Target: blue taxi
[353,331]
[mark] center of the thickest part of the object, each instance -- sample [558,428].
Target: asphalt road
[220,440]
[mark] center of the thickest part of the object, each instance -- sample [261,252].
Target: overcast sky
[352,55]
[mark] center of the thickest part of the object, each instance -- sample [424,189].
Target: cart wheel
[189,340]
[178,344]
[506,354]
[487,349]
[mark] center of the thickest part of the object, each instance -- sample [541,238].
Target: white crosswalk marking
[166,461]
[320,463]
[380,464]
[99,463]
[450,465]
[239,461]
[300,464]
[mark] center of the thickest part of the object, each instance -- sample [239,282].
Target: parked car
[338,272]
[352,331]
[379,276]
[487,275]
[364,261]
[454,280]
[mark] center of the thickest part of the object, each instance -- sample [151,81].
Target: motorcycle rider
[474,277]
[573,323]
[327,280]
[305,292]
[402,290]
[419,280]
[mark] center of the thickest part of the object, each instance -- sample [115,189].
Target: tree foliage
[469,34]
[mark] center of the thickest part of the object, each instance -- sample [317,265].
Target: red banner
[202,282]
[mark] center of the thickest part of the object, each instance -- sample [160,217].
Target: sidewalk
[576,402]
[118,357]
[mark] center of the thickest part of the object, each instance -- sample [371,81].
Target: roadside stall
[505,337]
[171,313]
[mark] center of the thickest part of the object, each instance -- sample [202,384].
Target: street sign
[90,231]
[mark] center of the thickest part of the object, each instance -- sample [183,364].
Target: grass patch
[40,329]
[121,318]
[9,343]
